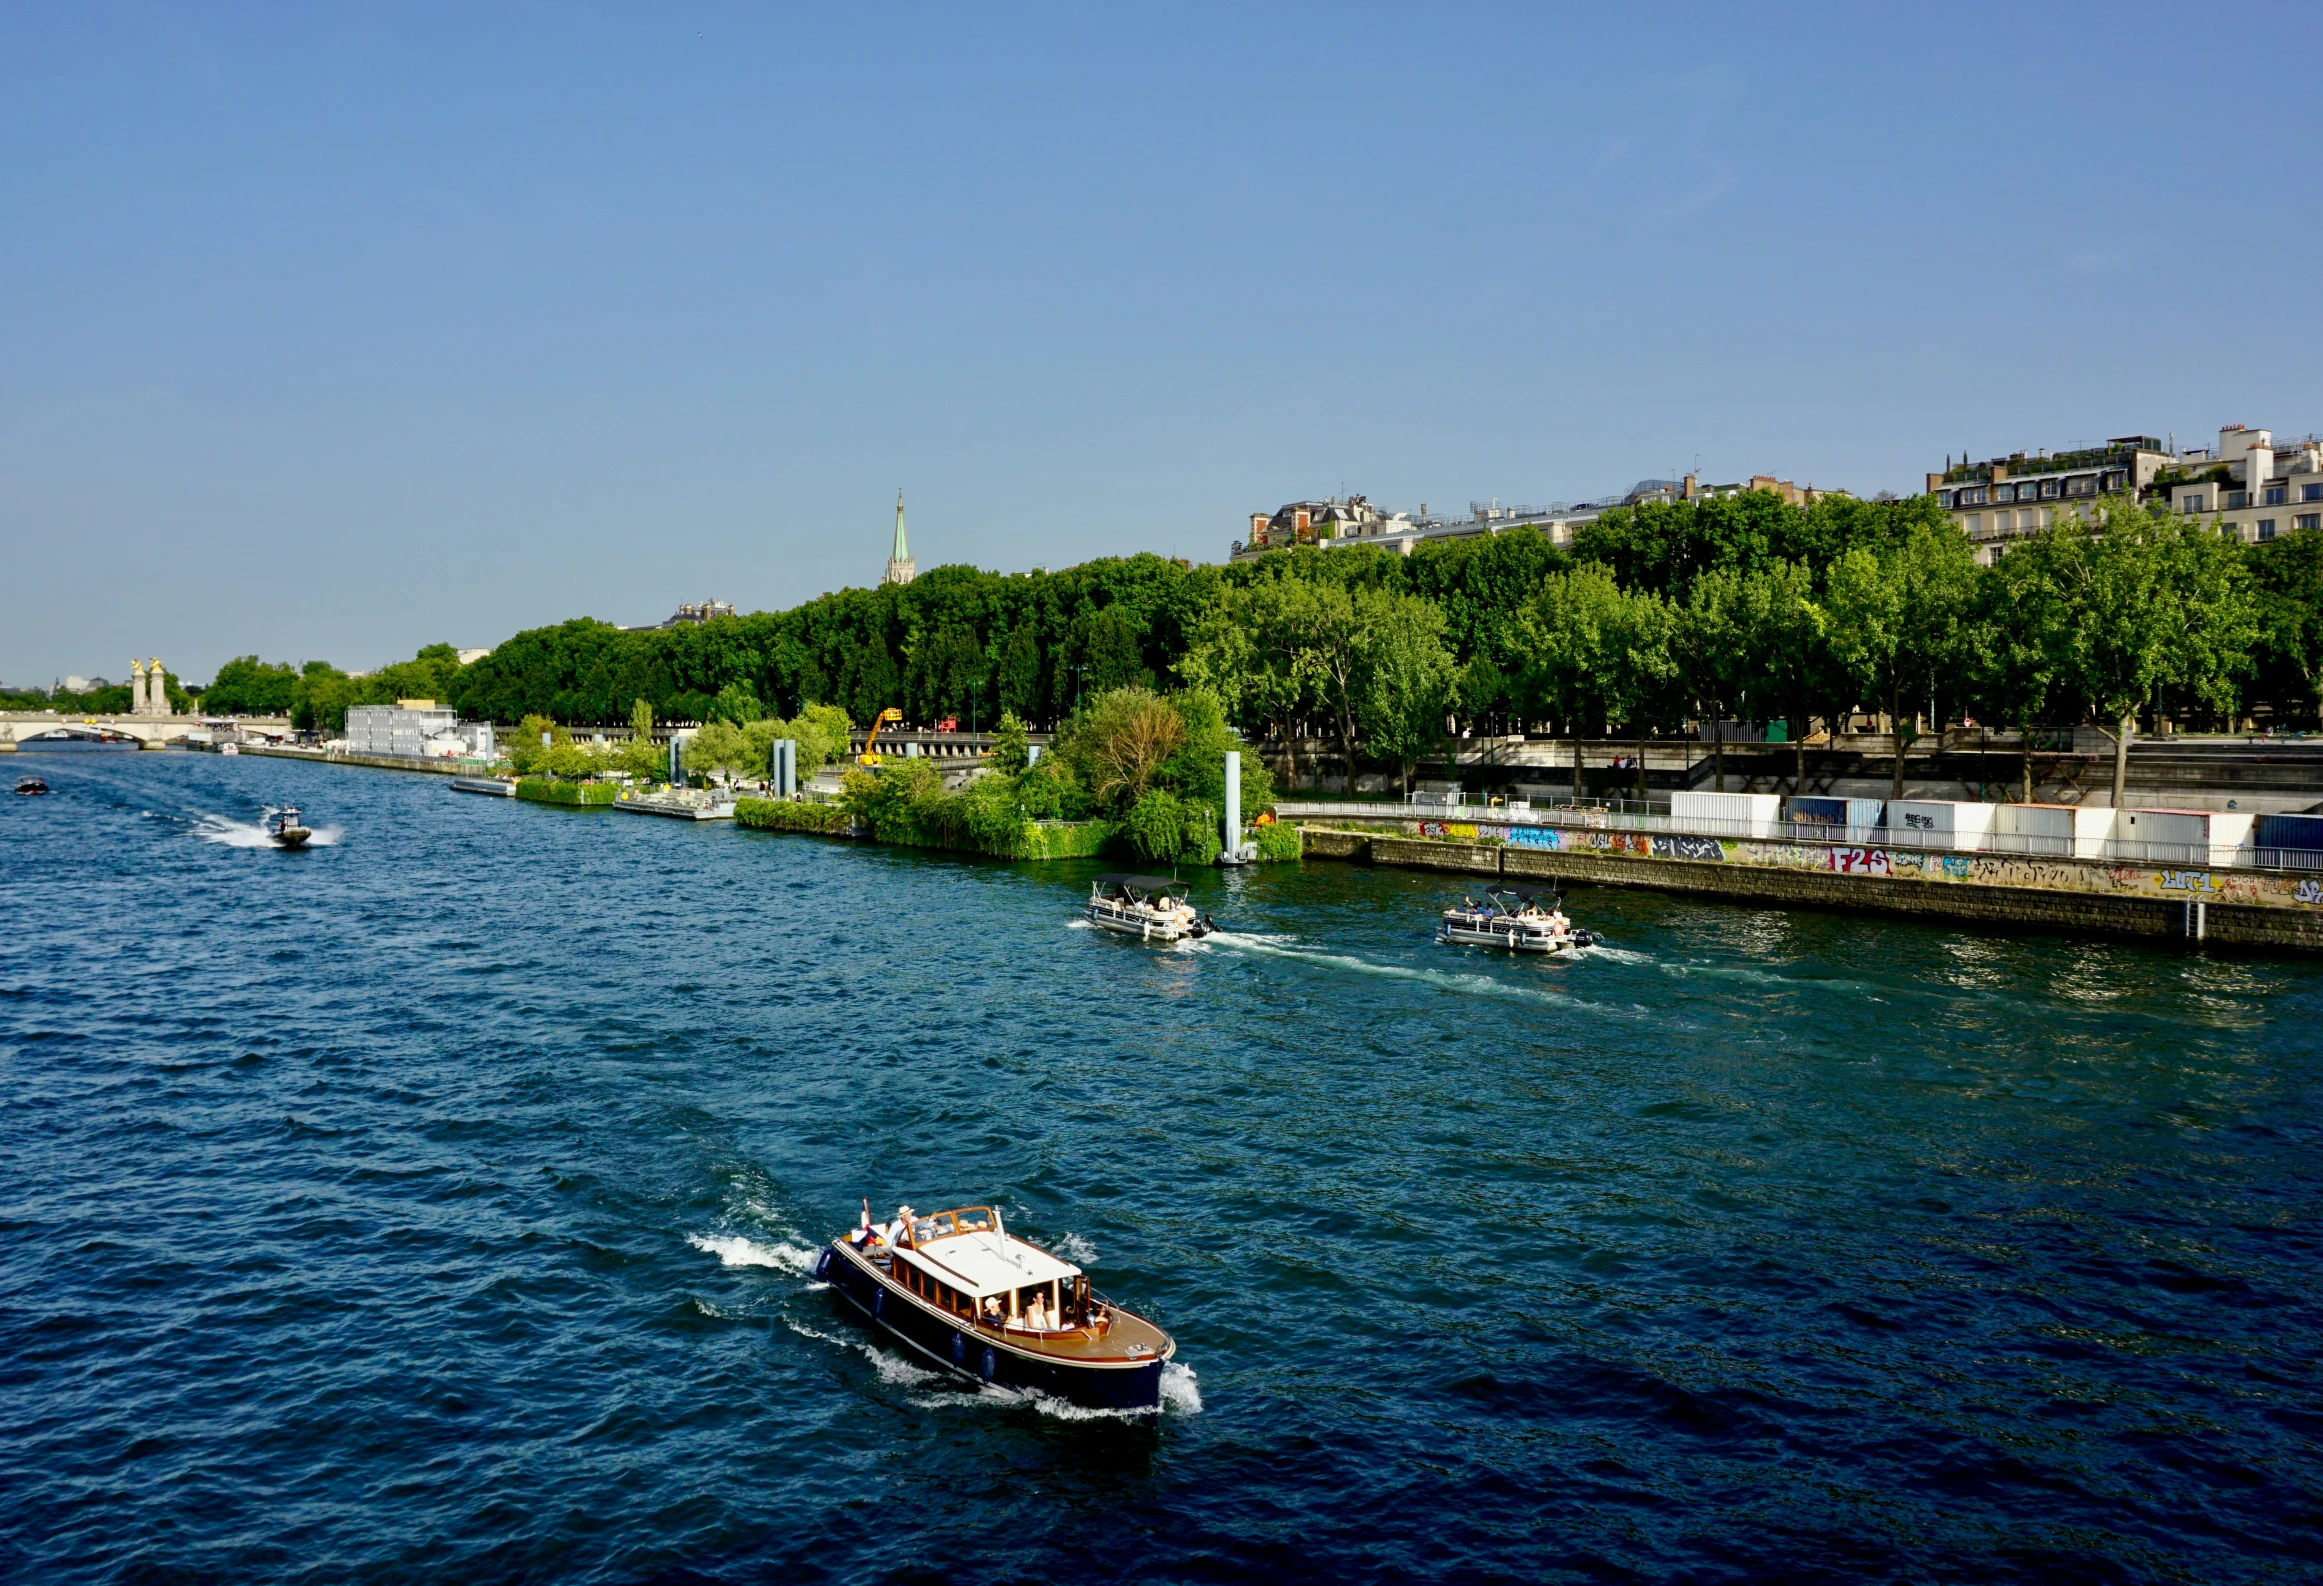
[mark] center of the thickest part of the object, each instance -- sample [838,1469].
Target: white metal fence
[1629,816]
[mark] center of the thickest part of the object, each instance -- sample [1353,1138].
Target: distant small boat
[30,784]
[283,826]
[229,748]
[1150,908]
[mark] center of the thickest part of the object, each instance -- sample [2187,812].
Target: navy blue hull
[946,1342]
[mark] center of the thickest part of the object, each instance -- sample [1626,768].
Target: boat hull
[294,837]
[961,1349]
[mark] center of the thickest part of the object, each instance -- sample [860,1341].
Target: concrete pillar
[784,768]
[1233,800]
[136,687]
[156,687]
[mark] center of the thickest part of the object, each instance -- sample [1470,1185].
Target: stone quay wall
[2250,908]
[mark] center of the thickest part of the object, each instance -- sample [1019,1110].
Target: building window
[2192,503]
[2311,492]
[2081,485]
[1973,523]
[2266,528]
[2048,490]
[2237,498]
[2311,520]
[1972,498]
[2276,495]
[2117,480]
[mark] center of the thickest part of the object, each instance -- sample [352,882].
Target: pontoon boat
[1512,918]
[1150,908]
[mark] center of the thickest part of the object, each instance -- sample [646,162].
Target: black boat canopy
[1141,883]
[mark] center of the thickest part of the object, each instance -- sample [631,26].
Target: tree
[2019,637]
[2153,599]
[1010,753]
[1567,648]
[1895,618]
[2287,594]
[641,757]
[1408,679]
[1713,653]
[1120,742]
[1785,655]
[738,704]
[1638,670]
[247,686]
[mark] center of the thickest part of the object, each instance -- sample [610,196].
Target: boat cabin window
[936,1227]
[974,1220]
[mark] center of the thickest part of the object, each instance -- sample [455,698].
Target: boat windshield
[963,1220]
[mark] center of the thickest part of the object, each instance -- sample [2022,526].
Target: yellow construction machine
[886,718]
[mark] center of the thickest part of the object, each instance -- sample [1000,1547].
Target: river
[439,1204]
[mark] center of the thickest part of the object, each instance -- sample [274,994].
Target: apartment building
[1355,521]
[2250,487]
[2247,484]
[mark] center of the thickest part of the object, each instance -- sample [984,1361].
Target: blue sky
[333,331]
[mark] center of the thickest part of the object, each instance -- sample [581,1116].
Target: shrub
[784,815]
[1277,843]
[1166,829]
[574,794]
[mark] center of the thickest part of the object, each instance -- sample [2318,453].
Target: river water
[438,1204]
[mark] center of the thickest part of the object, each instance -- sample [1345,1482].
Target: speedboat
[1146,907]
[1512,918]
[958,1289]
[30,784]
[284,827]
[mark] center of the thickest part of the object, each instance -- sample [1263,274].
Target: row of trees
[1743,607]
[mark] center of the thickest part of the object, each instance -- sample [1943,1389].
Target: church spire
[900,568]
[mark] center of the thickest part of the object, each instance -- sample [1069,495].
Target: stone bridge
[19,728]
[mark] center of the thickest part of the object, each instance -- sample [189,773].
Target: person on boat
[1037,1317]
[992,1313]
[862,1234]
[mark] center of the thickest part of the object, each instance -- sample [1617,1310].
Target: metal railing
[1655,819]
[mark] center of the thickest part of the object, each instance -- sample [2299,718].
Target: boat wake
[1472,985]
[734,1250]
[236,834]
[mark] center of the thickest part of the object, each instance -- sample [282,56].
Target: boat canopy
[982,1264]
[1141,883]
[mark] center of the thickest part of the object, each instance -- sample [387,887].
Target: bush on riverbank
[571,794]
[782,815]
[1277,843]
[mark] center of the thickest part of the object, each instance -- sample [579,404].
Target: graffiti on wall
[1902,864]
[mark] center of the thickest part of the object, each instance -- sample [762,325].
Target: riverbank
[2271,909]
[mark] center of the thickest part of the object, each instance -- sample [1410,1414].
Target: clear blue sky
[332,331]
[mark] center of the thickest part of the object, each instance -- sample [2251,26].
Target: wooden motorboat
[956,1288]
[1150,908]
[285,828]
[1512,918]
[30,784]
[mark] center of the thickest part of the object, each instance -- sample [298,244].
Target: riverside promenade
[2187,898]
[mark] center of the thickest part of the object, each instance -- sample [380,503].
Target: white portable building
[1939,823]
[1726,814]
[2033,829]
[2183,837]
[2092,829]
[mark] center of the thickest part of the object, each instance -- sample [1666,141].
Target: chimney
[1693,487]
[1935,483]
